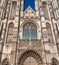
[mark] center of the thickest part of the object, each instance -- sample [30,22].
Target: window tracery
[5,62]
[29,31]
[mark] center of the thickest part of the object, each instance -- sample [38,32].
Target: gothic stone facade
[29,37]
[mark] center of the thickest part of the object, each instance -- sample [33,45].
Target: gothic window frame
[5,62]
[45,10]
[10,32]
[49,32]
[11,26]
[29,31]
[54,61]
[13,9]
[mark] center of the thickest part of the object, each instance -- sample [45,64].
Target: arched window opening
[44,5]
[13,9]
[49,32]
[30,31]
[5,62]
[54,62]
[10,31]
[11,26]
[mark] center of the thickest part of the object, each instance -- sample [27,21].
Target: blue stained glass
[30,3]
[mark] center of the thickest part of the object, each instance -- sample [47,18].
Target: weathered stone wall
[45,17]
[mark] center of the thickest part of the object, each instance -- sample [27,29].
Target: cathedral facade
[29,32]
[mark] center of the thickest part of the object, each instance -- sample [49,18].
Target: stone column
[17,25]
[1,41]
[43,29]
[48,11]
[6,27]
[10,10]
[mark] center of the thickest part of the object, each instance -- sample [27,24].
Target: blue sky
[30,3]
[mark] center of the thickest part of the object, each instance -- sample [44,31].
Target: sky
[28,3]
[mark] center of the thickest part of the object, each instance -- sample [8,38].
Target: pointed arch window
[49,32]
[5,62]
[10,31]
[29,31]
[13,9]
[54,61]
[44,6]
[11,26]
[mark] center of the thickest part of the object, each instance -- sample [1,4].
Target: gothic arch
[11,24]
[55,61]
[49,32]
[32,21]
[10,31]
[32,24]
[5,62]
[11,27]
[30,53]
[48,24]
[44,7]
[48,27]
